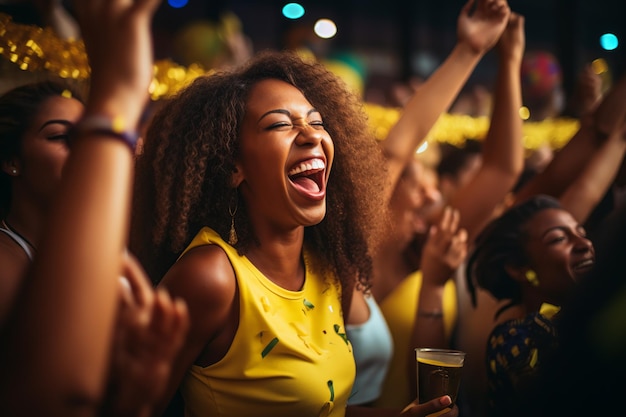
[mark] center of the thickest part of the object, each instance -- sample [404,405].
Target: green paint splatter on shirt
[342,335]
[332,390]
[269,347]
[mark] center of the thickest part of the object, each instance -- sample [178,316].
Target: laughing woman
[273,169]
[532,255]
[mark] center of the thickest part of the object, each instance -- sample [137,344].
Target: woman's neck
[26,221]
[280,260]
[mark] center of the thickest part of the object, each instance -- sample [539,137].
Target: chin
[313,217]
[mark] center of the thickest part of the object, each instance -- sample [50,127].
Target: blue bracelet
[104,125]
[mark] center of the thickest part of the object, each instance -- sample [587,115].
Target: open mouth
[308,177]
[583,266]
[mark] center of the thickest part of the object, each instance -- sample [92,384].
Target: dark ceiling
[569,28]
[398,29]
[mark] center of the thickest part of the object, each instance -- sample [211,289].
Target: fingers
[499,7]
[136,278]
[446,218]
[449,221]
[148,6]
[169,321]
[454,221]
[438,405]
[516,20]
[457,251]
[467,7]
[145,350]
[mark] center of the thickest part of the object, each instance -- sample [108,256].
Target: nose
[430,194]
[308,134]
[582,244]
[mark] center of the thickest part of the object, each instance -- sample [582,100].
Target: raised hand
[481,27]
[150,330]
[445,249]
[588,92]
[513,40]
[119,45]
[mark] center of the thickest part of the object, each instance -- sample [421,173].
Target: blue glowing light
[609,41]
[177,4]
[293,11]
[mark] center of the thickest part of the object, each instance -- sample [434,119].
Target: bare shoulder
[204,278]
[13,266]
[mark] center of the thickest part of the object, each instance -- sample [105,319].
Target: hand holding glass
[438,373]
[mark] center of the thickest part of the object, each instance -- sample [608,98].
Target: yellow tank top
[399,309]
[289,357]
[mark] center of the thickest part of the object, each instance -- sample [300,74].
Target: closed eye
[555,236]
[556,239]
[64,137]
[278,125]
[317,124]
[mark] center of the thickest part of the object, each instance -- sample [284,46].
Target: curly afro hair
[184,174]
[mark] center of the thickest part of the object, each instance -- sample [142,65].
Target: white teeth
[583,264]
[307,166]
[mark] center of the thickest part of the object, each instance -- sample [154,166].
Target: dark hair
[18,108]
[501,244]
[184,174]
[454,158]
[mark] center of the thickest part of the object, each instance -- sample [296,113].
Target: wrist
[104,125]
[510,59]
[126,100]
[435,314]
[468,51]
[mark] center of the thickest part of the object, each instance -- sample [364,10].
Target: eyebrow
[56,121]
[561,228]
[285,112]
[550,230]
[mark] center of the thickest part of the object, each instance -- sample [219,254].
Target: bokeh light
[524,113]
[599,66]
[177,4]
[325,28]
[609,41]
[293,11]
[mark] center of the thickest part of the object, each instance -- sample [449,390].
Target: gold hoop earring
[232,234]
[531,276]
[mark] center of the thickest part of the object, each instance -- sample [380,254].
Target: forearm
[564,167]
[612,110]
[584,194]
[502,147]
[75,276]
[428,329]
[503,153]
[430,100]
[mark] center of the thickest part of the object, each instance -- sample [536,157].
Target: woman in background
[66,346]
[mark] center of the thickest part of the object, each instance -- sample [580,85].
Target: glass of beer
[438,373]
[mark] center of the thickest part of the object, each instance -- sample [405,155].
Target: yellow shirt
[289,357]
[399,309]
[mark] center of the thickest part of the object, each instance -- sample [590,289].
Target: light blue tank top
[372,346]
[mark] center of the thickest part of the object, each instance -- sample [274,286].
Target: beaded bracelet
[104,125]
